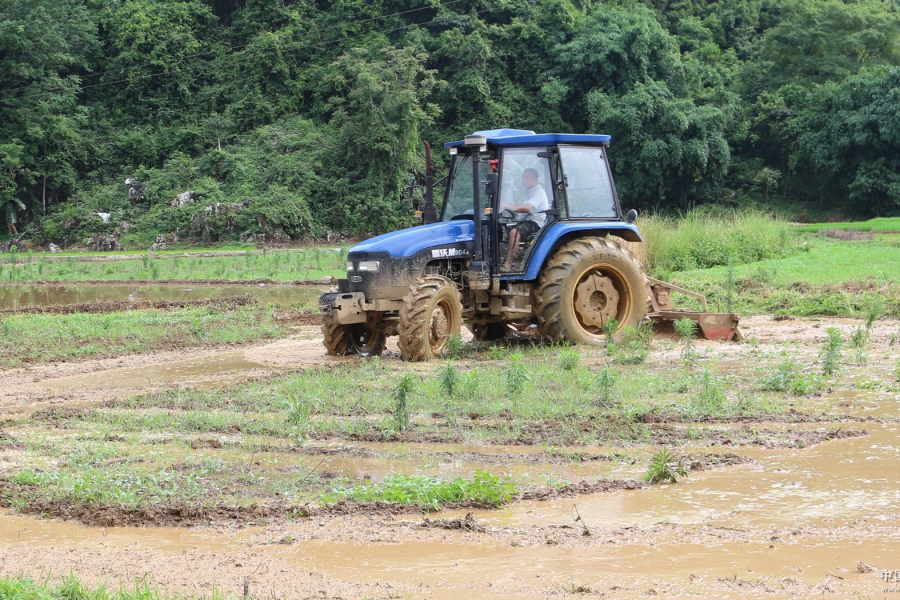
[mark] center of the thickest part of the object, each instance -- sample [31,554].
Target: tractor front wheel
[585,285]
[358,339]
[431,314]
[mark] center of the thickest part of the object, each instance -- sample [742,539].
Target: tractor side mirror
[632,216]
[490,183]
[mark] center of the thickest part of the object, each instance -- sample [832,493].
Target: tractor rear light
[349,266]
[369,265]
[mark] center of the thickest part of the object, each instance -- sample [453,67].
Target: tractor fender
[560,233]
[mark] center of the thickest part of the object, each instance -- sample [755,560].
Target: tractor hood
[406,242]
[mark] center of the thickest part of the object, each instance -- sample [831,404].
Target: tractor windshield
[458,201]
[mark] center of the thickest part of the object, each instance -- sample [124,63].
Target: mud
[26,297]
[29,501]
[108,307]
[790,515]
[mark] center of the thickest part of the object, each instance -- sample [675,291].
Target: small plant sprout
[830,353]
[299,412]
[517,375]
[401,402]
[874,311]
[569,359]
[605,383]
[858,339]
[453,347]
[609,331]
[897,369]
[665,468]
[449,379]
[687,330]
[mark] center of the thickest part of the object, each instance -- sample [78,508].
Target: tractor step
[713,326]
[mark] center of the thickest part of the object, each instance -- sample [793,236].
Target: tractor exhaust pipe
[429,215]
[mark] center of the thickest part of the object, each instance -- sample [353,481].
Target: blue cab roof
[522,137]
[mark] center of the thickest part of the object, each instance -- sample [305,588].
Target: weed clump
[569,359]
[517,376]
[605,382]
[665,468]
[401,402]
[788,377]
[453,347]
[830,353]
[427,492]
[448,377]
[687,331]
[634,344]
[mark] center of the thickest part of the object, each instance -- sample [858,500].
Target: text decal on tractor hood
[448,252]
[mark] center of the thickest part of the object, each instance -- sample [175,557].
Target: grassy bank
[31,338]
[278,265]
[702,239]
[880,225]
[24,588]
[826,277]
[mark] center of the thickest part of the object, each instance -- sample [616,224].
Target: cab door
[525,179]
[587,181]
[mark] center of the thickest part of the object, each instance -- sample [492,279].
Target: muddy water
[791,516]
[838,480]
[30,296]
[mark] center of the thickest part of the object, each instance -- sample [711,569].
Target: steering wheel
[507,216]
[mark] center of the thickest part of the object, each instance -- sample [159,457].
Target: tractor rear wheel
[431,313]
[488,332]
[358,339]
[586,284]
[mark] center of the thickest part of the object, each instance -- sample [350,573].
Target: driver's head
[529,178]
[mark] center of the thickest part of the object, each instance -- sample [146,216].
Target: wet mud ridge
[108,307]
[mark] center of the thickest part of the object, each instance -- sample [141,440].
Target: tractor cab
[529,182]
[530,232]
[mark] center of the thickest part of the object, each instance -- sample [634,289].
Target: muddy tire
[488,332]
[358,339]
[585,284]
[431,313]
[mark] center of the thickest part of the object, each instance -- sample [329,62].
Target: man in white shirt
[534,202]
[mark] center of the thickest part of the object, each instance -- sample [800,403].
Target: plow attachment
[713,326]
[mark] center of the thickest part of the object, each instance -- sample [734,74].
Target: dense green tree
[827,40]
[295,117]
[850,135]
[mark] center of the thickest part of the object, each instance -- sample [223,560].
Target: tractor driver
[533,202]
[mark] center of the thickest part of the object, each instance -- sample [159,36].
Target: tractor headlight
[349,266]
[369,265]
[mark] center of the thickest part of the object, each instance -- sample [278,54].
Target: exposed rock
[135,190]
[125,226]
[103,215]
[159,244]
[55,248]
[332,237]
[103,243]
[183,198]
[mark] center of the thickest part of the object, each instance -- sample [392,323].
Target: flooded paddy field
[310,476]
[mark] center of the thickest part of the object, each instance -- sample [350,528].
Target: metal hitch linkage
[713,326]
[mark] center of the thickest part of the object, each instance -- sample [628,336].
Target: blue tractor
[530,232]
